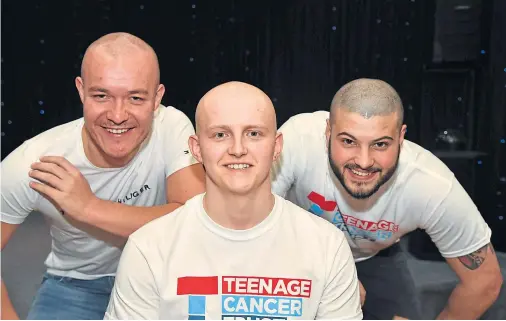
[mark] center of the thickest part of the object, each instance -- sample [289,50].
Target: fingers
[45,190]
[48,178]
[62,162]
[49,167]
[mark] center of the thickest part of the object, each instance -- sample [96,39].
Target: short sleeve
[283,169]
[135,294]
[456,225]
[341,295]
[18,199]
[175,128]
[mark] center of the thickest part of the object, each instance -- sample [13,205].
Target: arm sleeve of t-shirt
[283,169]
[18,199]
[176,130]
[341,296]
[135,294]
[456,225]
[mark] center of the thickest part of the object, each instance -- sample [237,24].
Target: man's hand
[63,185]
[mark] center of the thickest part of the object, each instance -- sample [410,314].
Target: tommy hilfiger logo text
[134,194]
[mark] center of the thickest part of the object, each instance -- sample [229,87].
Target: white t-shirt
[74,252]
[423,194]
[185,266]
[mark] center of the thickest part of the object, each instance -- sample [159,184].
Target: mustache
[368,170]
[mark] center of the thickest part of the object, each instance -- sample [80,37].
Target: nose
[364,159]
[237,148]
[118,113]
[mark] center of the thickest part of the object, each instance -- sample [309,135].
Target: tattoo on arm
[474,260]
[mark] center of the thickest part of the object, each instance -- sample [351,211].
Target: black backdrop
[299,52]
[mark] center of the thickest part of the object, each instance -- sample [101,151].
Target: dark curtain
[299,52]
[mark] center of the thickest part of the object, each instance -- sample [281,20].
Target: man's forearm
[467,303]
[8,312]
[122,220]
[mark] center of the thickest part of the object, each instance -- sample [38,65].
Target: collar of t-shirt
[241,235]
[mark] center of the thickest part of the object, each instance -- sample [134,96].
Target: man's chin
[360,193]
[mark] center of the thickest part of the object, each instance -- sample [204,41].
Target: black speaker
[473,170]
[457,34]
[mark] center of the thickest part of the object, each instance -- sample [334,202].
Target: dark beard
[363,194]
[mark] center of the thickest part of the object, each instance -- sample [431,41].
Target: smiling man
[237,251]
[354,168]
[99,178]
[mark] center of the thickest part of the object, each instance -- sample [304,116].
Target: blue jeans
[64,298]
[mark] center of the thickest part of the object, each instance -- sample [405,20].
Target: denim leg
[63,298]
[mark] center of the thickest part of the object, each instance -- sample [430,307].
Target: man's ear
[327,133]
[403,132]
[159,95]
[80,88]
[193,143]
[278,147]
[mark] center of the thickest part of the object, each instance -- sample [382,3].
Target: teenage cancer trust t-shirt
[293,265]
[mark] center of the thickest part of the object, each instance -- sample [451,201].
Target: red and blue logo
[245,297]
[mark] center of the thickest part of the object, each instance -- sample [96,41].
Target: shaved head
[368,97]
[234,95]
[120,45]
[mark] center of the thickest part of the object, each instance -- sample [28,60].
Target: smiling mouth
[117,131]
[362,174]
[238,166]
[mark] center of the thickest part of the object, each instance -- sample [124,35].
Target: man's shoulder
[306,123]
[304,141]
[163,228]
[57,141]
[166,115]
[420,167]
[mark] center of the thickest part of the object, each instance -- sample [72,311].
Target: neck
[236,211]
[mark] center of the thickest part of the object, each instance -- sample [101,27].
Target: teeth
[360,173]
[238,166]
[117,131]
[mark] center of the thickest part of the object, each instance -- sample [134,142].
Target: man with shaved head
[354,168]
[99,178]
[237,251]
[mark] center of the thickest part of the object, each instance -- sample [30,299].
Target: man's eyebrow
[138,91]
[375,140]
[99,89]
[382,138]
[346,134]
[227,127]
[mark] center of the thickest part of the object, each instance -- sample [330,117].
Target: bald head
[120,45]
[235,98]
[368,97]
